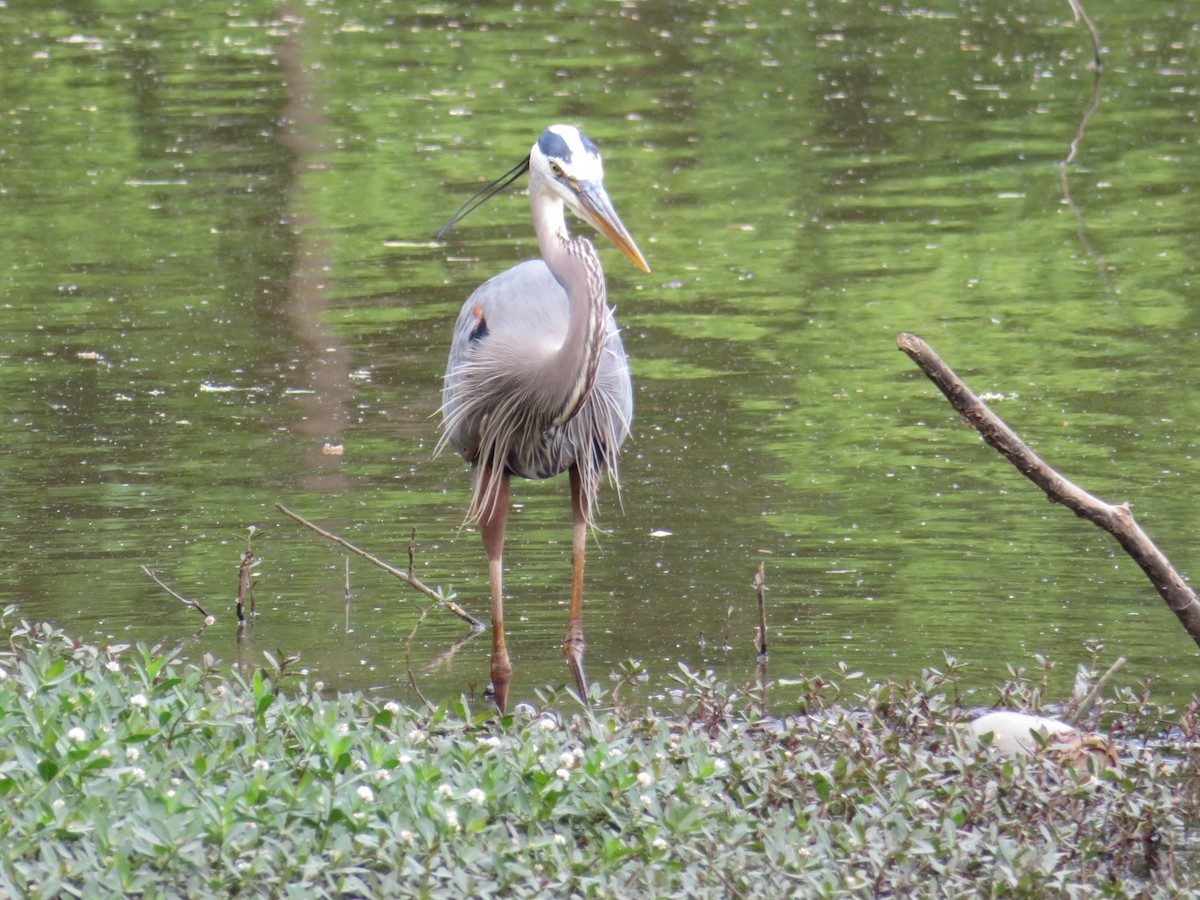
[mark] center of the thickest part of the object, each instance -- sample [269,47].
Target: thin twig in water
[1082,16]
[182,599]
[412,680]
[1064,164]
[1116,520]
[1086,704]
[408,578]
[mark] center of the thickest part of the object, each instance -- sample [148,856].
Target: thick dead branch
[1116,520]
[407,577]
[208,620]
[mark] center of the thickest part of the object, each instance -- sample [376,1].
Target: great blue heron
[537,383]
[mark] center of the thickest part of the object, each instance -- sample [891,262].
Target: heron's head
[565,167]
[567,164]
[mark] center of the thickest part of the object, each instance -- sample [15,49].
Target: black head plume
[484,194]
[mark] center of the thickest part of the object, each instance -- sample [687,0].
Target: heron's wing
[520,313]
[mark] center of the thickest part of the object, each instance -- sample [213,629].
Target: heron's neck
[573,261]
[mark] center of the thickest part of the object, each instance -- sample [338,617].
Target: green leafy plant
[126,772]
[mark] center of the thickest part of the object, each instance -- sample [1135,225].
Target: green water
[217,255]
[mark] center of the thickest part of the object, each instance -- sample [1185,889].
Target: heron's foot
[501,676]
[573,650]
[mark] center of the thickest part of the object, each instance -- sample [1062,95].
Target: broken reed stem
[245,585]
[760,588]
[407,577]
[182,599]
[1116,520]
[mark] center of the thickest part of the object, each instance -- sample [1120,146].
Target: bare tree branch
[1116,520]
[407,577]
[182,599]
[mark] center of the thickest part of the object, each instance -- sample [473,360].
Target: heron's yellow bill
[598,209]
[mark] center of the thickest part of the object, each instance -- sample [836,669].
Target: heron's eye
[556,169]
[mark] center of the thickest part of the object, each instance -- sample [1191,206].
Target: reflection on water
[218,260]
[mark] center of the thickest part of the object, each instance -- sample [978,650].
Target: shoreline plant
[124,772]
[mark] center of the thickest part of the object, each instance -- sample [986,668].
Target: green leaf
[822,786]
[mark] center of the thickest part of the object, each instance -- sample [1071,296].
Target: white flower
[393,707]
[616,753]
[59,803]
[361,765]
[452,818]
[564,774]
[139,700]
[560,840]
[341,729]
[210,620]
[318,685]
[444,790]
[659,844]
[644,779]
[416,736]
[719,765]
[491,741]
[404,759]
[477,796]
[137,773]
[113,666]
[407,836]
[261,765]
[132,754]
[77,734]
[646,799]
[170,794]
[567,760]
[365,794]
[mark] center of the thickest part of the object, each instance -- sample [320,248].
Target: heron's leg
[573,644]
[491,525]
